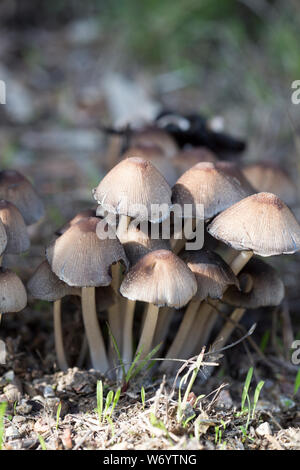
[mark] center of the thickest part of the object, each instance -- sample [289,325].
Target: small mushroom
[131,185]
[205,185]
[45,285]
[261,287]
[160,278]
[82,259]
[15,188]
[131,190]
[213,276]
[13,297]
[16,231]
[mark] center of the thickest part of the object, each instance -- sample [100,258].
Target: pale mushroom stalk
[184,329]
[114,318]
[58,336]
[228,328]
[127,332]
[92,329]
[206,315]
[119,323]
[162,328]
[147,335]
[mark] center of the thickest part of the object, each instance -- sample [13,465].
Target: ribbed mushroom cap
[15,188]
[16,231]
[156,156]
[160,278]
[45,285]
[269,177]
[137,243]
[155,136]
[261,223]
[13,297]
[81,215]
[189,157]
[81,258]
[267,287]
[231,169]
[205,184]
[132,184]
[212,274]
[3,238]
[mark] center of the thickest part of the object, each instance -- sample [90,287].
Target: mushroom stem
[162,326]
[182,333]
[240,261]
[127,333]
[203,326]
[114,318]
[197,330]
[228,328]
[92,329]
[148,331]
[58,336]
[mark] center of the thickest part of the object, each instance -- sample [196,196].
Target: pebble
[49,392]
[224,400]
[264,429]
[12,393]
[11,433]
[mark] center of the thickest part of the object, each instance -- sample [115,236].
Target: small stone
[49,392]
[11,433]
[264,429]
[12,393]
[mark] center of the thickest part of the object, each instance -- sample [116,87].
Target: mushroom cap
[156,156]
[131,186]
[16,230]
[79,216]
[206,184]
[13,297]
[45,285]
[160,278]
[267,287]
[212,274]
[137,243]
[261,223]
[231,169]
[3,238]
[82,258]
[269,177]
[15,188]
[155,136]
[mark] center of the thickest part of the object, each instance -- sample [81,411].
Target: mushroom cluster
[164,295]
[20,206]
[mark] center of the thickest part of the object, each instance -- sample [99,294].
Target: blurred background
[71,66]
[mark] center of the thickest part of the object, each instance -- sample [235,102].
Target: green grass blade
[297,382]
[256,396]
[3,407]
[100,400]
[246,387]
[117,350]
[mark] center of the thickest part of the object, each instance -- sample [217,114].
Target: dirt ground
[57,85]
